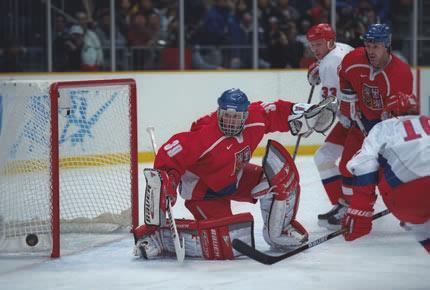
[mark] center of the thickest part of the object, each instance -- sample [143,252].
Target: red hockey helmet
[401,104]
[321,31]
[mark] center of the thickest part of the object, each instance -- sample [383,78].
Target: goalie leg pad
[281,230]
[216,235]
[153,242]
[280,170]
[279,209]
[148,242]
[208,239]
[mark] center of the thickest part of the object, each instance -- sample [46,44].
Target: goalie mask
[232,111]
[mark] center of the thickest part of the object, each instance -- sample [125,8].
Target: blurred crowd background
[217,34]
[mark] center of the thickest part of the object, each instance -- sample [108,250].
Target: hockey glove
[400,104]
[321,116]
[297,121]
[358,217]
[314,74]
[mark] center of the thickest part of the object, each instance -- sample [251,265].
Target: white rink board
[170,101]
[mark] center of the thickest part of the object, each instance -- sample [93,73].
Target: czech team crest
[372,98]
[242,158]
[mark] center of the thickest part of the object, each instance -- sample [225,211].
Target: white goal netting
[95,173]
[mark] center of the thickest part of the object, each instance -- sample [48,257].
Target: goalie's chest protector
[218,168]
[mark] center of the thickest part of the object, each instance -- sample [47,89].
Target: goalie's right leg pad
[208,239]
[148,243]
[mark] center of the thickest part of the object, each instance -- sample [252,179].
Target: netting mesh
[94,164]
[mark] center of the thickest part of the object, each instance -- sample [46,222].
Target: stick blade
[180,252]
[253,253]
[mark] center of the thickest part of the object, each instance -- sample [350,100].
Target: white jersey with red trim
[328,69]
[400,145]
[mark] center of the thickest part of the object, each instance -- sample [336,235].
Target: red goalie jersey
[369,88]
[210,164]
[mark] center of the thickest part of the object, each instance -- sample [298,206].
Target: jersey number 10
[411,134]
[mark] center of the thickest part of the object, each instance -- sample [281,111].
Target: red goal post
[76,140]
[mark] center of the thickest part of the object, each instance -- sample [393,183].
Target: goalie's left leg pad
[279,209]
[281,230]
[280,170]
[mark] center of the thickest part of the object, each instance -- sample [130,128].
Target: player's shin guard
[210,239]
[325,160]
[333,188]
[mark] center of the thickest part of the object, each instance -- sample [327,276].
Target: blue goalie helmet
[233,99]
[232,111]
[378,33]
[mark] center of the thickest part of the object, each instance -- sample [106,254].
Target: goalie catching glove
[307,118]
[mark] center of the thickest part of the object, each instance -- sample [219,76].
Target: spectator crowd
[218,33]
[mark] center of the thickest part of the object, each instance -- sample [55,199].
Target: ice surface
[388,258]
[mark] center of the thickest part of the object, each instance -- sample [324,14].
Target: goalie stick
[267,259]
[179,247]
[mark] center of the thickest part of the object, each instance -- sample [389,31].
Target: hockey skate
[332,219]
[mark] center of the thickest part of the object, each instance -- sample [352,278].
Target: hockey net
[68,164]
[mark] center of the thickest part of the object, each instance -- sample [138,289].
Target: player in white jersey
[329,55]
[395,156]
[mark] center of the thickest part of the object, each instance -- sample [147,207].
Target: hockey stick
[266,259]
[300,136]
[179,247]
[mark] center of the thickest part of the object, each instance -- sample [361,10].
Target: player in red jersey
[329,54]
[211,162]
[395,156]
[368,76]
